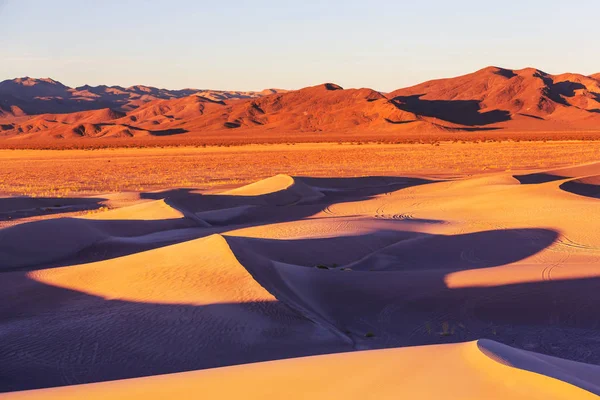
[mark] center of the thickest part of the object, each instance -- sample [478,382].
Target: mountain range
[490,99]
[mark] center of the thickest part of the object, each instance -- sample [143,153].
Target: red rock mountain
[492,99]
[40,96]
[520,99]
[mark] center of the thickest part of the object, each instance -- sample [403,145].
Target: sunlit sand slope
[472,370]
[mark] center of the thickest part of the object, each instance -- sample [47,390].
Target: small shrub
[446,329]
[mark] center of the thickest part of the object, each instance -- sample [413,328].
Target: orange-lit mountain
[40,96]
[491,99]
[312,109]
[511,99]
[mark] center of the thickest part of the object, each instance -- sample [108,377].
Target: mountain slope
[520,99]
[491,99]
[41,96]
[313,109]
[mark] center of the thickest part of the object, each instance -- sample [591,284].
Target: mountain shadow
[462,112]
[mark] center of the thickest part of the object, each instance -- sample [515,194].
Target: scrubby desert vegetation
[68,172]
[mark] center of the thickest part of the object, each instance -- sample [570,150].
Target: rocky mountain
[40,96]
[491,99]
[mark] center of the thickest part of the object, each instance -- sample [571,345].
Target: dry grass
[230,138]
[72,172]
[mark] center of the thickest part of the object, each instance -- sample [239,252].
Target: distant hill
[491,99]
[41,96]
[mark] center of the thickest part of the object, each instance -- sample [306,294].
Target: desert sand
[455,285]
[472,370]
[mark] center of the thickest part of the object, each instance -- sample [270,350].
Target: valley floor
[64,173]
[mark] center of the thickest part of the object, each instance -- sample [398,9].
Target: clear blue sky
[247,45]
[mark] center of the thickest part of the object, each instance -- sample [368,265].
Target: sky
[257,44]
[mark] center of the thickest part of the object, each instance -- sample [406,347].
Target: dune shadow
[362,188]
[463,112]
[75,337]
[15,208]
[537,178]
[384,288]
[582,187]
[398,250]
[285,207]
[68,241]
[556,318]
[461,252]
[54,336]
[330,252]
[90,240]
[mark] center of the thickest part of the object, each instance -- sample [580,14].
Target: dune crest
[461,371]
[282,189]
[212,276]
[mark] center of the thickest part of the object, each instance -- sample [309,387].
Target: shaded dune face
[588,186]
[297,266]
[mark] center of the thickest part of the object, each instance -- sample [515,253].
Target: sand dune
[588,186]
[497,272]
[213,276]
[115,228]
[279,190]
[473,370]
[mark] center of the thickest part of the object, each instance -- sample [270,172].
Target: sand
[472,370]
[422,286]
